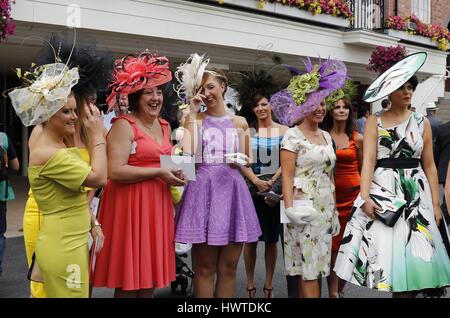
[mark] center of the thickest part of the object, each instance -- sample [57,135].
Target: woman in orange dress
[340,124]
[136,211]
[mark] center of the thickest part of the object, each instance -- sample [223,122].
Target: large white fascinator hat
[45,91]
[189,76]
[81,69]
[394,77]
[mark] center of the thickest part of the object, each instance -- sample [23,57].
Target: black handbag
[391,206]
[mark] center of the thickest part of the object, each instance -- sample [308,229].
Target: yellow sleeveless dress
[32,224]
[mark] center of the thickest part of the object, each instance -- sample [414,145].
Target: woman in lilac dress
[216,214]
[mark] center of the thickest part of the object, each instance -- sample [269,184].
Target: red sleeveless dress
[347,185]
[138,223]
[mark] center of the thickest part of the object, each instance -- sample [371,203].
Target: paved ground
[13,282]
[16,207]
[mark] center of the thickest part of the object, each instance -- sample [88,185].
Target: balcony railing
[368,14]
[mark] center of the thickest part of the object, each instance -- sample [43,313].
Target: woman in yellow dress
[58,175]
[32,223]
[33,218]
[94,70]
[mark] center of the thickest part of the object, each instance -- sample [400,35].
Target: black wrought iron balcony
[368,14]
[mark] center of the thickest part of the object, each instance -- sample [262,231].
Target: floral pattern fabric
[307,248]
[409,256]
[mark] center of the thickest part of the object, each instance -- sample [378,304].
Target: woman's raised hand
[196,101]
[93,120]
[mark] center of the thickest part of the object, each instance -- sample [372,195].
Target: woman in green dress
[407,256]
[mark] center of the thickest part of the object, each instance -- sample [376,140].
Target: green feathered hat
[350,90]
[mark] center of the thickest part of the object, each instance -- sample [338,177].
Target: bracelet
[96,223]
[100,143]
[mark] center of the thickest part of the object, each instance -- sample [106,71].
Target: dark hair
[169,109]
[414,82]
[247,109]
[362,111]
[133,98]
[328,121]
[385,103]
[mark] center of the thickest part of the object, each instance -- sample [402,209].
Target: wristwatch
[96,223]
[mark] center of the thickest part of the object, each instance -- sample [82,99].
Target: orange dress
[138,223]
[347,185]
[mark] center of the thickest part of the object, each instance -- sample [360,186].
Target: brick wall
[389,4]
[440,10]
[403,7]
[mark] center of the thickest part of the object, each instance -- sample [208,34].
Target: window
[422,9]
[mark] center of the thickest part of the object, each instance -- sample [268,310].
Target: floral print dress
[307,248]
[410,256]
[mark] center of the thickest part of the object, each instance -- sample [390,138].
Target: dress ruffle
[217,209]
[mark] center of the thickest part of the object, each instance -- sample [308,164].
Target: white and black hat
[394,77]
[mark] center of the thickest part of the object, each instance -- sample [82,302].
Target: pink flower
[434,31]
[383,57]
[7,25]
[338,8]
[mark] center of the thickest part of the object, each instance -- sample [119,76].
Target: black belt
[397,163]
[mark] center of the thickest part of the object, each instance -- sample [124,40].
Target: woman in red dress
[136,211]
[339,123]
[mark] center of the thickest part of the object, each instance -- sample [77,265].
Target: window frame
[423,6]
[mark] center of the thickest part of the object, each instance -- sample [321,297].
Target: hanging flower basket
[7,24]
[384,57]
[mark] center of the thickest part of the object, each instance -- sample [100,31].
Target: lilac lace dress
[217,208]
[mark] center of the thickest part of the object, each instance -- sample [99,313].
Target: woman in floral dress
[409,256]
[307,162]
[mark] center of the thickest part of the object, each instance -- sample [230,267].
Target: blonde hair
[219,75]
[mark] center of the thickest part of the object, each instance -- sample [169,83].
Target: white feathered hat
[189,75]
